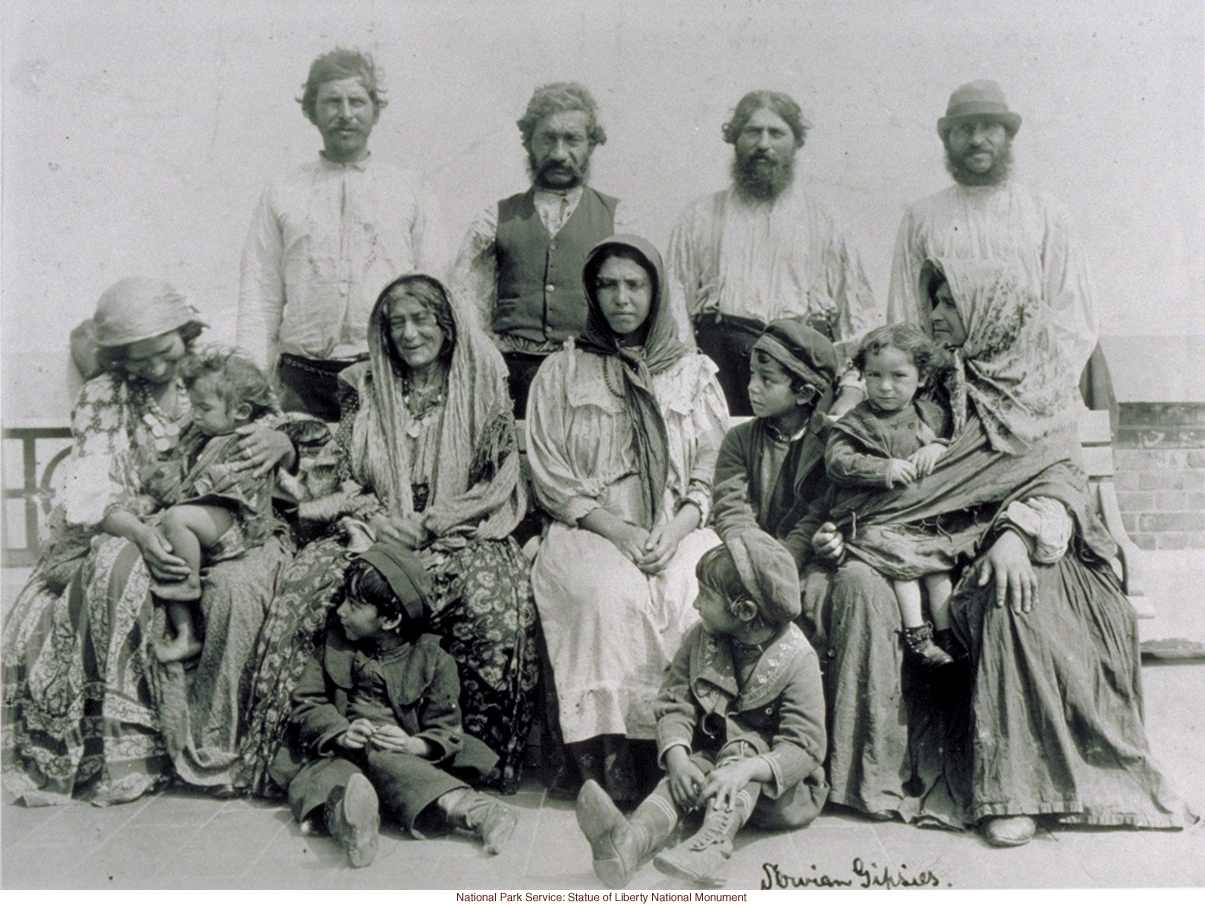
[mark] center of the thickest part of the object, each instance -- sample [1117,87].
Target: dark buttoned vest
[540,293]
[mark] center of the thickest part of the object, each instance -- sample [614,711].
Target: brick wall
[1160,474]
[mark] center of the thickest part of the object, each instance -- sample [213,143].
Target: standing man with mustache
[327,237]
[521,262]
[762,249]
[988,216]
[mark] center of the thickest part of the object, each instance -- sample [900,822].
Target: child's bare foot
[185,590]
[181,648]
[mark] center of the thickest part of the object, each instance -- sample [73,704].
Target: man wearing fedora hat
[986,215]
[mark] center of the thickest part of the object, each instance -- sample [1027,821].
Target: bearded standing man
[520,264]
[327,238]
[762,249]
[986,215]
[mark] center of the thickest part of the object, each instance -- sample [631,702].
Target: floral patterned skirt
[484,613]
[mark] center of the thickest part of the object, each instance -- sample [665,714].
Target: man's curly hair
[342,63]
[557,97]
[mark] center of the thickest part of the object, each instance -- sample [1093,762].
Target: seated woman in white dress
[623,429]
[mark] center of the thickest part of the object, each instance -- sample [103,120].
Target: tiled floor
[178,840]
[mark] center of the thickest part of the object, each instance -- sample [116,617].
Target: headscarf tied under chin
[1010,366]
[477,402]
[633,367]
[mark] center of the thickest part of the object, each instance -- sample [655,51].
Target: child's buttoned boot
[484,816]
[701,858]
[919,640]
[618,844]
[353,817]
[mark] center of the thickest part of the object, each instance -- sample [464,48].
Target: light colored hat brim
[140,308]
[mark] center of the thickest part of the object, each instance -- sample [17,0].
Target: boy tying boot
[740,724]
[376,719]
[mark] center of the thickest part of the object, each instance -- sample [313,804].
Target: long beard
[580,174]
[1002,164]
[759,182]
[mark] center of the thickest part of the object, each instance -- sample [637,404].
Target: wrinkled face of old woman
[415,332]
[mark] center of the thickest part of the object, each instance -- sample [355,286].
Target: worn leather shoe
[615,861]
[354,820]
[1009,830]
[492,821]
[701,859]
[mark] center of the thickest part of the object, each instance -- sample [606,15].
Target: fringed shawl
[1013,398]
[971,473]
[1010,367]
[632,367]
[477,486]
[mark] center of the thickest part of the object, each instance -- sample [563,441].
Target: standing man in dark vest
[521,263]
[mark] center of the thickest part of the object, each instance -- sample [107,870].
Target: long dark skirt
[1044,719]
[887,718]
[1056,704]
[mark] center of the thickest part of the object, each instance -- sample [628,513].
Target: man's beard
[1002,162]
[762,178]
[577,175]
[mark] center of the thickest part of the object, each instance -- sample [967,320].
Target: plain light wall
[137,136]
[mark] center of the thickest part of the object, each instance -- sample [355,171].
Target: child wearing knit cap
[771,468]
[376,719]
[740,725]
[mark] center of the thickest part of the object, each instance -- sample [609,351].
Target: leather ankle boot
[353,816]
[702,857]
[484,816]
[618,845]
[919,640]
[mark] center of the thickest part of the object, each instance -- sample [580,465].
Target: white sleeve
[261,296]
[474,277]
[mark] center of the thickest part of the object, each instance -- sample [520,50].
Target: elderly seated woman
[88,708]
[426,456]
[623,430]
[1042,717]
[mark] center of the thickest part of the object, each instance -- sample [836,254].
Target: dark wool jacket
[779,713]
[736,503]
[423,691]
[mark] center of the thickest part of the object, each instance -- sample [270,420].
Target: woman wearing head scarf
[87,706]
[426,456]
[623,430]
[1043,719]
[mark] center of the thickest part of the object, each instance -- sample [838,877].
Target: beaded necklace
[164,430]
[422,403]
[613,371]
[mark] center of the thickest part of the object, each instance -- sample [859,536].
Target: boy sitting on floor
[740,724]
[377,713]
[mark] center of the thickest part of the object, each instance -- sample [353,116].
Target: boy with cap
[376,714]
[771,468]
[740,724]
